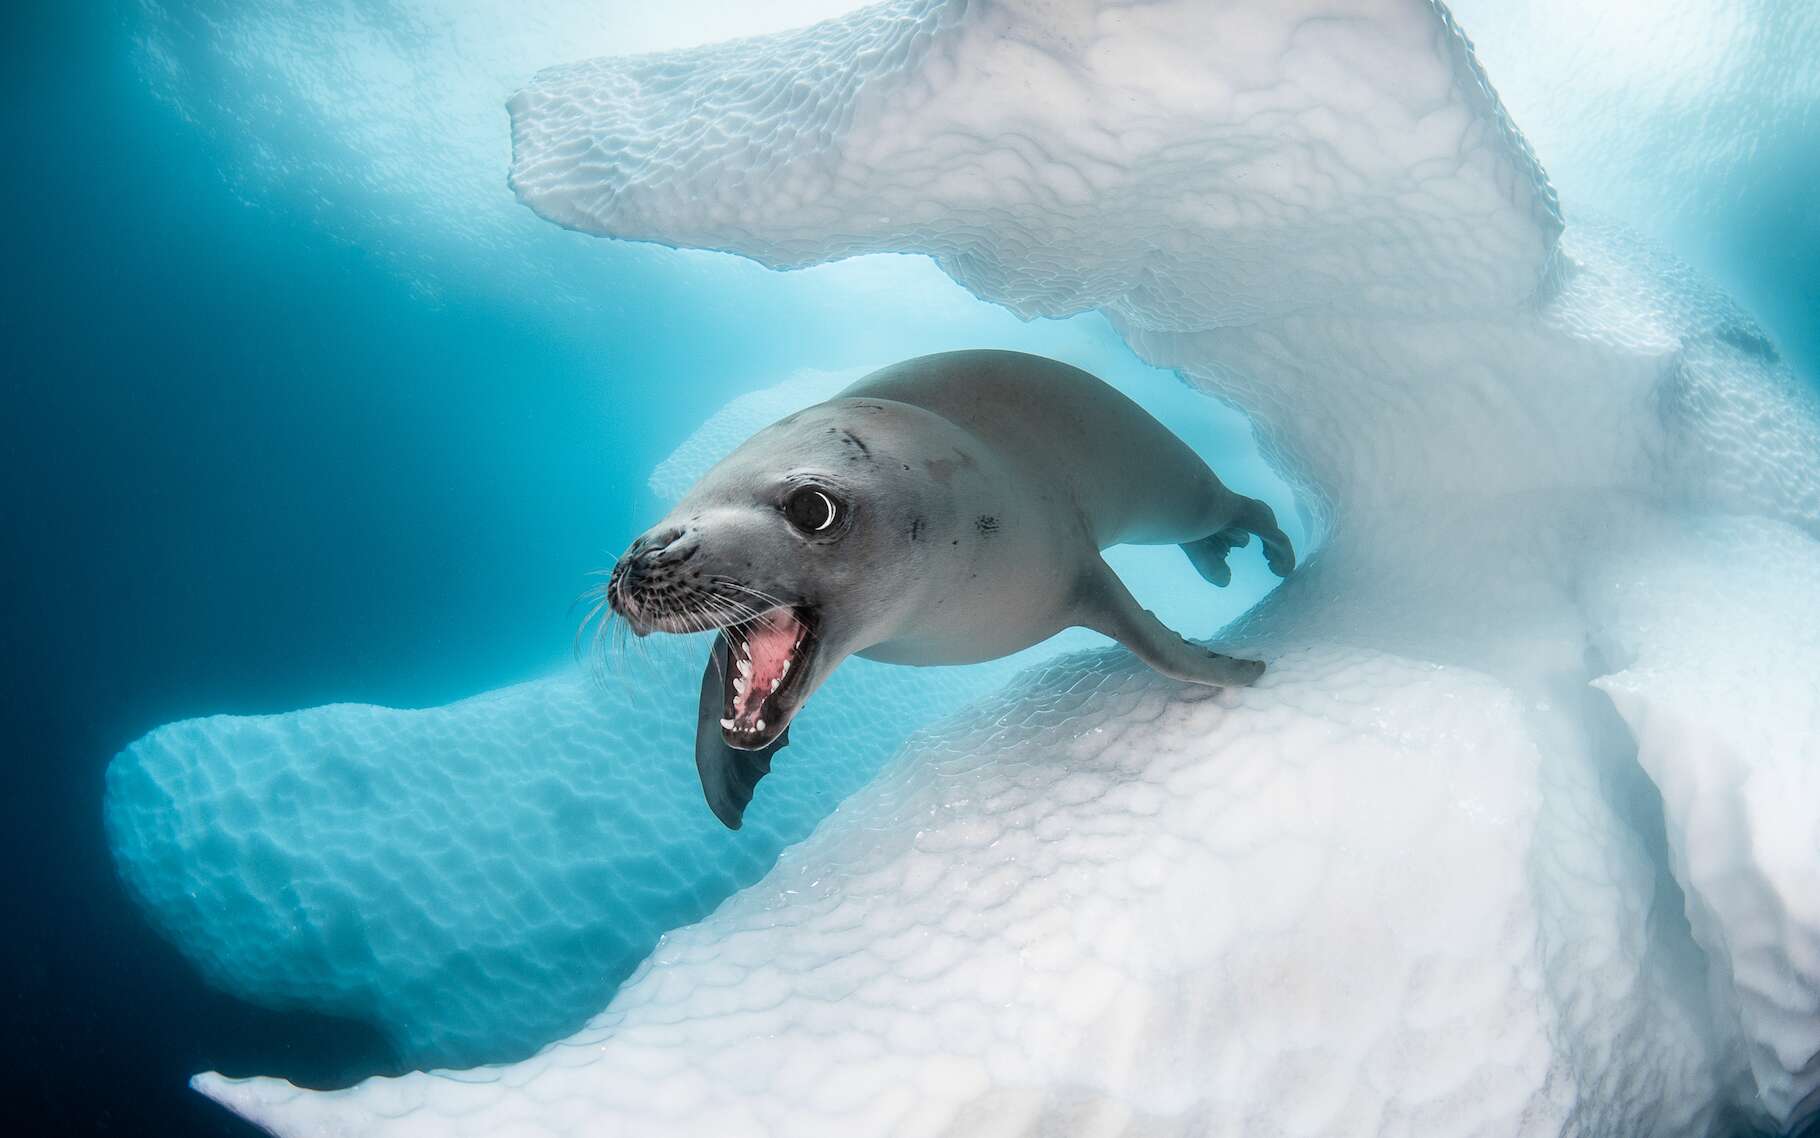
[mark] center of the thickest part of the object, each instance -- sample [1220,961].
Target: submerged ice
[1516,837]
[473,879]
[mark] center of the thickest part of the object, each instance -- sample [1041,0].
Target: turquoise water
[302,407]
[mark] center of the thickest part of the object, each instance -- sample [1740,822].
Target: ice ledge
[1264,158]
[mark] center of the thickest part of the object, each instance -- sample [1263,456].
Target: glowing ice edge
[1516,836]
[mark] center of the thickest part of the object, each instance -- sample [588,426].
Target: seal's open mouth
[763,662]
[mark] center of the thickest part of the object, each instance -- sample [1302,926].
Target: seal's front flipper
[728,775]
[1107,607]
[1257,517]
[1209,553]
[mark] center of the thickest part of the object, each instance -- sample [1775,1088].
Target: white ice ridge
[474,879]
[1346,156]
[1722,698]
[1511,840]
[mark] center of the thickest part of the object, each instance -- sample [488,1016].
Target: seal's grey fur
[975,492]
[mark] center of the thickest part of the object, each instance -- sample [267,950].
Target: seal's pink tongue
[762,658]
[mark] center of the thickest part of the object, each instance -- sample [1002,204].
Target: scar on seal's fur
[964,524]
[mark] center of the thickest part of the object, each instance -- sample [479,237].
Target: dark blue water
[261,453]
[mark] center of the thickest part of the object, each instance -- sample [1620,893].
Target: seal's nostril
[663,547]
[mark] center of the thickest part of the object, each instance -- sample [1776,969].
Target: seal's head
[798,548]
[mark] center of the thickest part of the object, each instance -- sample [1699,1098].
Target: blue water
[276,437]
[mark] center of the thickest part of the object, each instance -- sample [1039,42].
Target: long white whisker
[740,610]
[592,614]
[728,611]
[714,603]
[759,594]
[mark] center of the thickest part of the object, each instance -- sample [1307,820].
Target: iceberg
[1515,838]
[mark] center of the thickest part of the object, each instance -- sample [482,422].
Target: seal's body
[944,510]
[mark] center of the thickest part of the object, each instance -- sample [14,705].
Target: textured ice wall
[1429,877]
[1344,155]
[1721,695]
[473,879]
[1110,905]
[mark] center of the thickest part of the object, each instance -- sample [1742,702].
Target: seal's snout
[658,549]
[649,576]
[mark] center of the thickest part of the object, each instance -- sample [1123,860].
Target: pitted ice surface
[1106,903]
[474,880]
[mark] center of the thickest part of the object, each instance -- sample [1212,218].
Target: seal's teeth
[727,724]
[739,685]
[761,726]
[775,682]
[786,670]
[745,668]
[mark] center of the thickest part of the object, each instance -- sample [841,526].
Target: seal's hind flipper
[728,775]
[1105,605]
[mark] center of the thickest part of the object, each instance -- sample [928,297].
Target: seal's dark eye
[812,509]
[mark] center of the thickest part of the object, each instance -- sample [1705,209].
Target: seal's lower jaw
[767,661]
